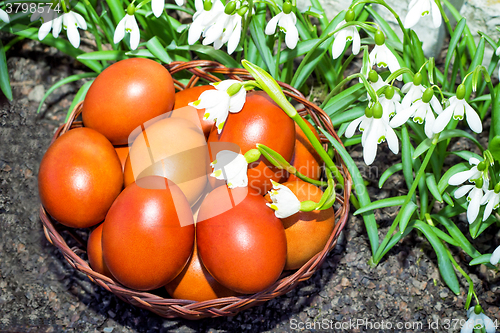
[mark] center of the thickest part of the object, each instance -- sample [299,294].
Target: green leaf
[217,55]
[349,115]
[62,82]
[433,188]
[457,235]
[155,47]
[406,215]
[484,225]
[382,203]
[140,53]
[111,55]
[259,39]
[494,147]
[482,259]
[455,39]
[448,199]
[445,266]
[344,99]
[80,96]
[4,74]
[389,172]
[466,155]
[406,152]
[302,48]
[444,236]
[116,8]
[443,182]
[361,191]
[446,134]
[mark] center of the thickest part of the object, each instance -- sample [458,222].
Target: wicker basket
[227,306]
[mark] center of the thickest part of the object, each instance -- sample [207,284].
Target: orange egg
[125,95]
[305,158]
[174,148]
[80,176]
[148,234]
[306,232]
[186,96]
[195,283]
[94,252]
[240,241]
[122,152]
[260,121]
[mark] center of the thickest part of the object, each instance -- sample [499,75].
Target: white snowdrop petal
[463,190]
[495,257]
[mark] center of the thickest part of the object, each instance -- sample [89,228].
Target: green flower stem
[278,52]
[467,277]
[421,172]
[445,18]
[246,23]
[369,88]
[323,39]
[309,180]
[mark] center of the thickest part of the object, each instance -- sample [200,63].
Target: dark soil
[41,292]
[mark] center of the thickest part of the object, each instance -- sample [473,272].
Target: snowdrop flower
[475,198]
[491,199]
[226,29]
[477,320]
[478,171]
[420,111]
[495,256]
[382,56]
[413,90]
[206,14]
[458,105]
[347,34]
[421,8]
[231,167]
[390,101]
[228,96]
[51,20]
[375,81]
[158,5]
[285,203]
[4,16]
[128,24]
[375,127]
[286,21]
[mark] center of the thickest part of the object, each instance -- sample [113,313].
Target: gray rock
[36,95]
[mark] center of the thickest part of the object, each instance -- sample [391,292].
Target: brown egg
[80,176]
[260,121]
[186,96]
[196,284]
[125,95]
[94,252]
[122,152]
[306,232]
[148,234]
[240,241]
[174,148]
[305,158]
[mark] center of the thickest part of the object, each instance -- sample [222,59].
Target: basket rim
[227,306]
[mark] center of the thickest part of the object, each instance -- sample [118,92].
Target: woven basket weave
[227,306]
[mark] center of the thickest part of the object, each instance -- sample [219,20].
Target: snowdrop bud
[287,7]
[428,94]
[379,37]
[479,182]
[242,11]
[417,79]
[349,15]
[373,76]
[131,9]
[497,188]
[368,112]
[252,155]
[389,92]
[230,8]
[207,5]
[461,92]
[481,166]
[377,111]
[234,89]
